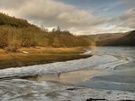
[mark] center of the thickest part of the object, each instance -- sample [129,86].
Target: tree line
[16,33]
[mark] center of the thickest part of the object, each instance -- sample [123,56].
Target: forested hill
[15,33]
[116,39]
[12,21]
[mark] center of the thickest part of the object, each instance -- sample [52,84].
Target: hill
[115,39]
[127,40]
[16,33]
[12,21]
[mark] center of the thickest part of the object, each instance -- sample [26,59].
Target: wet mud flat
[27,90]
[74,80]
[73,77]
[105,75]
[60,87]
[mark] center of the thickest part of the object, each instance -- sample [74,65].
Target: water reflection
[69,77]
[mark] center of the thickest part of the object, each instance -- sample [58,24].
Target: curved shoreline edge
[39,55]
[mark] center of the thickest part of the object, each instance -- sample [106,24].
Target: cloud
[127,19]
[11,4]
[122,23]
[52,13]
[128,2]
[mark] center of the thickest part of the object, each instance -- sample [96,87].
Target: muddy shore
[38,55]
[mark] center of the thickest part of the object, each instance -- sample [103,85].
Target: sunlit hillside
[16,33]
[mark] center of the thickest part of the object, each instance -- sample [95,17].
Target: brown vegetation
[16,33]
[18,37]
[38,55]
[116,39]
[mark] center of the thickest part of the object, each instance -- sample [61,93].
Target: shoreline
[54,88]
[39,55]
[51,91]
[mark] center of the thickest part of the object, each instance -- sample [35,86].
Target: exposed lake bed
[26,90]
[108,74]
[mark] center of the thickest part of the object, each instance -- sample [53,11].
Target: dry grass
[6,60]
[38,55]
[50,50]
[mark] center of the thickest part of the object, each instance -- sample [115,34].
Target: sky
[81,17]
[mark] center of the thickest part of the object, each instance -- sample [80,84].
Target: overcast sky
[77,16]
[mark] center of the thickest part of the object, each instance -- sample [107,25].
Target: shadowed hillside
[117,39]
[127,40]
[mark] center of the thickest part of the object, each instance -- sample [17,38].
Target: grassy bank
[38,55]
[17,36]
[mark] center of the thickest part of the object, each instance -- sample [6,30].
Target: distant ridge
[127,40]
[117,39]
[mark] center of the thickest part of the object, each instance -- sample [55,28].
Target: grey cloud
[128,2]
[127,19]
[11,4]
[54,13]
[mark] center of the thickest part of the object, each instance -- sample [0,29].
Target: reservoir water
[108,74]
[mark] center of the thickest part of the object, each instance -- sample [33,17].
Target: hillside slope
[15,33]
[12,21]
[127,40]
[118,39]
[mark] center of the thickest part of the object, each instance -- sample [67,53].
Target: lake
[108,74]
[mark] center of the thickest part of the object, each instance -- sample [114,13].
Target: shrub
[3,39]
[13,46]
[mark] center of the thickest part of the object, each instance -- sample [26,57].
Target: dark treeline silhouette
[115,39]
